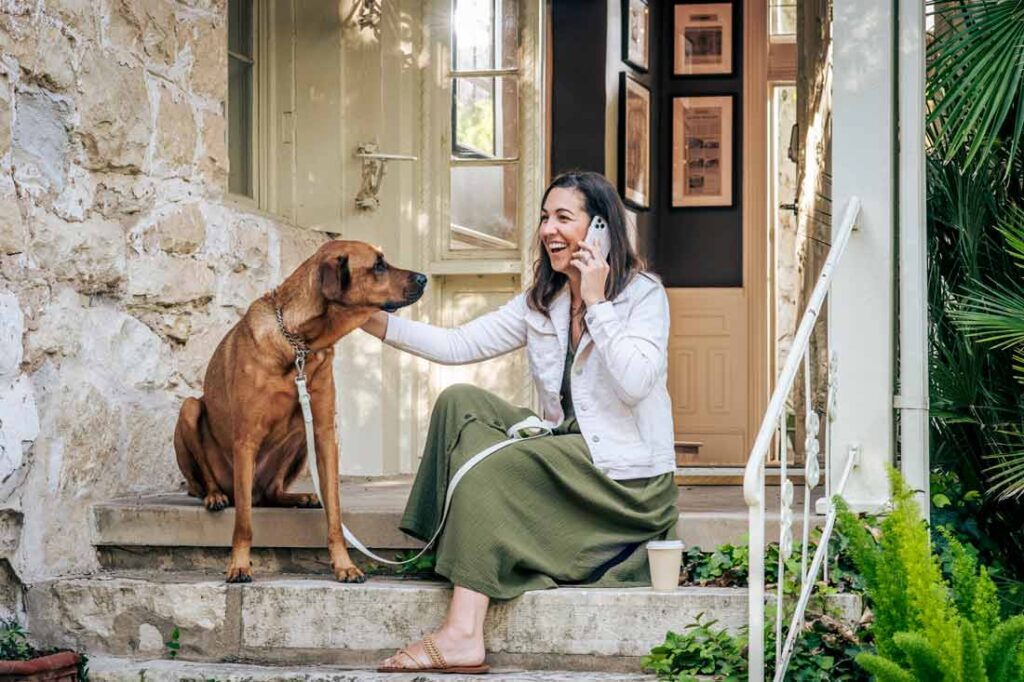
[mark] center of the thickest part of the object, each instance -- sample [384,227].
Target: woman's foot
[456,650]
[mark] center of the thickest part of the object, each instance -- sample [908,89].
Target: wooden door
[708,375]
[719,349]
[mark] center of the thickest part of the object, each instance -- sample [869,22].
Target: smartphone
[597,235]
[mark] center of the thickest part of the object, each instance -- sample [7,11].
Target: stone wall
[122,263]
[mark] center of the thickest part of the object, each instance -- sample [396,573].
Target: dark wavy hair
[600,198]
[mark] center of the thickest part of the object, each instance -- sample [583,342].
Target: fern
[924,661]
[1001,663]
[883,669]
[925,628]
[973,664]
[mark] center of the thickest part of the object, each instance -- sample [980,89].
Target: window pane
[484,207]
[485,117]
[485,34]
[782,18]
[240,127]
[240,27]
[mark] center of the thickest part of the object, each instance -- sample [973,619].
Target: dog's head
[357,274]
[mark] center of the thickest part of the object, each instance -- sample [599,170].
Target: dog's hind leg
[287,463]
[192,460]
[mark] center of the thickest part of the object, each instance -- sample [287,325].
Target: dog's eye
[379,267]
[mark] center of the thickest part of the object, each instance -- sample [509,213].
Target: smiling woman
[574,507]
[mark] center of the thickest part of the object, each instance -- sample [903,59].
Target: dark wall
[698,247]
[579,43]
[688,247]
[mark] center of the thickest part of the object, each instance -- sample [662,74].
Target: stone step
[107,669]
[284,619]
[136,533]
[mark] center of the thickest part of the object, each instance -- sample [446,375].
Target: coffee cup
[665,557]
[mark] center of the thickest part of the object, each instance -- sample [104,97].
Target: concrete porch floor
[371,508]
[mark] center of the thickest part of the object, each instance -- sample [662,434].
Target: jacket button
[596,439]
[583,408]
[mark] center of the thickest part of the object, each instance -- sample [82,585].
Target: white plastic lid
[665,544]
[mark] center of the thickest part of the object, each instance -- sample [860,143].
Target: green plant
[976,65]
[926,628]
[14,644]
[422,566]
[174,643]
[975,195]
[824,652]
[956,510]
[701,649]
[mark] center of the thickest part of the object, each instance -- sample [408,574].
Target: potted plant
[20,661]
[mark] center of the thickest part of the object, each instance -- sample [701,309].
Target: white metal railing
[774,422]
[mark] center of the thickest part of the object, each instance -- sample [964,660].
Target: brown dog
[243,441]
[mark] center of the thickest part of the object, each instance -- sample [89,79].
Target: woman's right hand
[377,325]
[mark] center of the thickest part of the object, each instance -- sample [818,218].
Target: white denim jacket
[619,375]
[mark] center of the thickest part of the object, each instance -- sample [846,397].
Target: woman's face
[563,225]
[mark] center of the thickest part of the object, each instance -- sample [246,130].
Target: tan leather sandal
[437,662]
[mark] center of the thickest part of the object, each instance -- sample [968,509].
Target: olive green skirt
[535,514]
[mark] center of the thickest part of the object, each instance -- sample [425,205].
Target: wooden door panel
[708,374]
[462,299]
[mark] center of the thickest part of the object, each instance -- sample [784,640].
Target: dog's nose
[420,279]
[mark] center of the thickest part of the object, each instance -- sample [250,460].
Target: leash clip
[300,364]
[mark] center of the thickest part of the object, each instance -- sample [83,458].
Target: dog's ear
[335,278]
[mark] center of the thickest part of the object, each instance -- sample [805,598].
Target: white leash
[531,427]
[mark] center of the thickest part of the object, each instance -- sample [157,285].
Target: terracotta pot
[59,667]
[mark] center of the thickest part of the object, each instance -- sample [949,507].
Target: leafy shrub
[926,628]
[824,652]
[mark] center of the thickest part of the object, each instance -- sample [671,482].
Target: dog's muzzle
[413,292]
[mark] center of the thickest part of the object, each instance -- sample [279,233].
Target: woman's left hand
[594,270]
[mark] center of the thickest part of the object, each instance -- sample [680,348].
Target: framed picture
[636,24]
[634,142]
[702,39]
[702,151]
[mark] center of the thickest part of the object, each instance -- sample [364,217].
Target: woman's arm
[488,336]
[633,350]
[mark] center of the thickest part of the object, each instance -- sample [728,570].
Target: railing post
[861,315]
[755,582]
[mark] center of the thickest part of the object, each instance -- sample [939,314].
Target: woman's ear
[335,278]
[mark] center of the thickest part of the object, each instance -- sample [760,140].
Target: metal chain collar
[296,341]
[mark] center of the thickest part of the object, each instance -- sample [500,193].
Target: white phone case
[597,235]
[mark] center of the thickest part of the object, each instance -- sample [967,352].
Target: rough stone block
[106,614]
[90,255]
[44,52]
[148,28]
[213,162]
[40,143]
[19,422]
[12,326]
[182,232]
[207,41]
[5,115]
[176,129]
[168,280]
[116,118]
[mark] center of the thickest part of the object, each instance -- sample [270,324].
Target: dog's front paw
[349,574]
[216,500]
[239,573]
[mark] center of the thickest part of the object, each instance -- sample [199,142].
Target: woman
[573,508]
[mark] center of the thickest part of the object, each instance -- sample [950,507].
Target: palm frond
[993,314]
[975,76]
